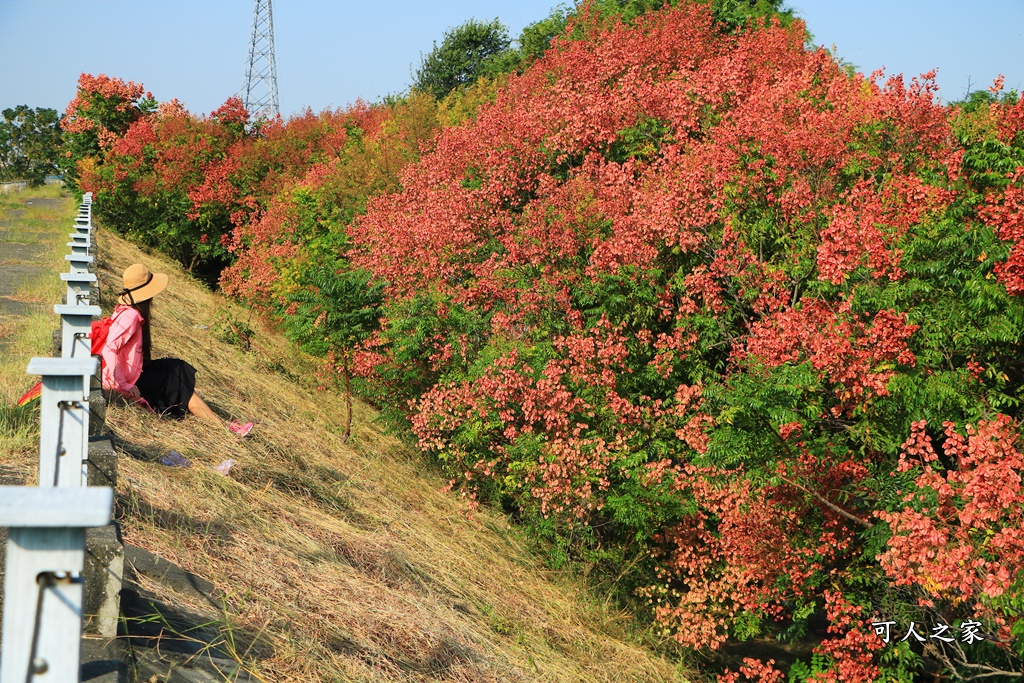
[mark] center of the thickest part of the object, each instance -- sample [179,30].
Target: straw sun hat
[140,284]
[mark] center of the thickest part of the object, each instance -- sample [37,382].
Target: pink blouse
[122,354]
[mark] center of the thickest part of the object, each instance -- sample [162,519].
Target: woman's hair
[143,307]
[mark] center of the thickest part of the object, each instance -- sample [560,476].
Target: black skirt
[167,384]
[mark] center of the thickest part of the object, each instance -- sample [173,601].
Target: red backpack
[98,336]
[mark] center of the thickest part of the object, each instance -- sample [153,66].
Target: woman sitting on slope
[166,385]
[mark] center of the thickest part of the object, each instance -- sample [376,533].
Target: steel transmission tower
[261,69]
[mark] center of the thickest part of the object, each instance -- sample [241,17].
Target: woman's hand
[134,393]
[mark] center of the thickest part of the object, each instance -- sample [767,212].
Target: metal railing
[43,587]
[13,186]
[8,186]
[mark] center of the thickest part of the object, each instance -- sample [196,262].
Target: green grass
[31,335]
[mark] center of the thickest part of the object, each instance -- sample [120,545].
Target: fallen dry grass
[340,562]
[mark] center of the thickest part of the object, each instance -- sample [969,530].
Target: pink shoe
[240,429]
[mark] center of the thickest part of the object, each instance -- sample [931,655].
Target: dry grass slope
[339,562]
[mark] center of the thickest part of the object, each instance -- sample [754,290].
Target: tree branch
[825,501]
[817,496]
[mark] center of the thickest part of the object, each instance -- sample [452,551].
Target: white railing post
[76,327]
[78,288]
[84,216]
[64,419]
[80,246]
[79,278]
[82,234]
[42,627]
[79,262]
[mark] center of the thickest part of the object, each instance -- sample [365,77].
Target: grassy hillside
[345,559]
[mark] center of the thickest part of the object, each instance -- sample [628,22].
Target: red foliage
[749,550]
[754,670]
[643,148]
[307,156]
[232,111]
[1010,118]
[863,227]
[852,653]
[99,100]
[753,122]
[103,110]
[848,352]
[1004,211]
[961,536]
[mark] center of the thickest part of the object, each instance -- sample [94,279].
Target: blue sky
[331,53]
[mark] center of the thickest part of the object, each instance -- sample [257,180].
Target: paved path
[24,256]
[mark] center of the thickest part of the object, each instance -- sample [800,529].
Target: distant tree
[979,99]
[102,111]
[734,14]
[536,38]
[467,52]
[29,143]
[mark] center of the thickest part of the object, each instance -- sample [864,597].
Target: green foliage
[730,14]
[977,100]
[736,14]
[30,142]
[234,331]
[333,309]
[418,329]
[474,49]
[642,141]
[536,38]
